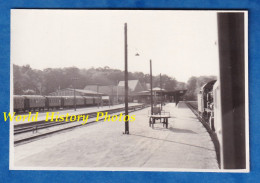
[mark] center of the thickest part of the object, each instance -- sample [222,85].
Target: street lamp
[112,101]
[151,83]
[126,83]
[117,92]
[99,98]
[74,81]
[161,89]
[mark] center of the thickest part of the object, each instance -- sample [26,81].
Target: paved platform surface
[185,144]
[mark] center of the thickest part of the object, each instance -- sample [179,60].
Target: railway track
[34,126]
[194,108]
[193,104]
[32,129]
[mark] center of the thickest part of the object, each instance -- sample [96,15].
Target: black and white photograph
[129,90]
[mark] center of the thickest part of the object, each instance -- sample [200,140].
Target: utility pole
[98,95]
[151,85]
[75,108]
[112,101]
[161,89]
[117,92]
[74,81]
[126,83]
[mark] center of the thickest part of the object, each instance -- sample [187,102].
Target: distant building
[148,86]
[109,90]
[78,92]
[116,94]
[176,95]
[145,96]
[160,95]
[133,85]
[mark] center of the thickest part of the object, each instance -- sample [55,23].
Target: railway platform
[102,146]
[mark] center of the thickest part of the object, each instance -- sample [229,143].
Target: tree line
[42,82]
[194,85]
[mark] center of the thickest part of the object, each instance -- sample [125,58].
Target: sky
[180,44]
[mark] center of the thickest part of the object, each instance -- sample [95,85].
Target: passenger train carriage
[209,107]
[206,103]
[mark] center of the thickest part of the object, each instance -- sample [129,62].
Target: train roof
[71,96]
[216,85]
[208,85]
[88,96]
[53,96]
[18,96]
[33,96]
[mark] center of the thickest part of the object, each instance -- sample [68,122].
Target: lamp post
[74,81]
[164,95]
[126,82]
[161,89]
[112,101]
[98,95]
[117,92]
[151,85]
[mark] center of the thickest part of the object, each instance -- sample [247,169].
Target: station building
[160,95]
[78,92]
[116,94]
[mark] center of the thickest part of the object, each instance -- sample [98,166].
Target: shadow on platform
[179,130]
[165,140]
[175,130]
